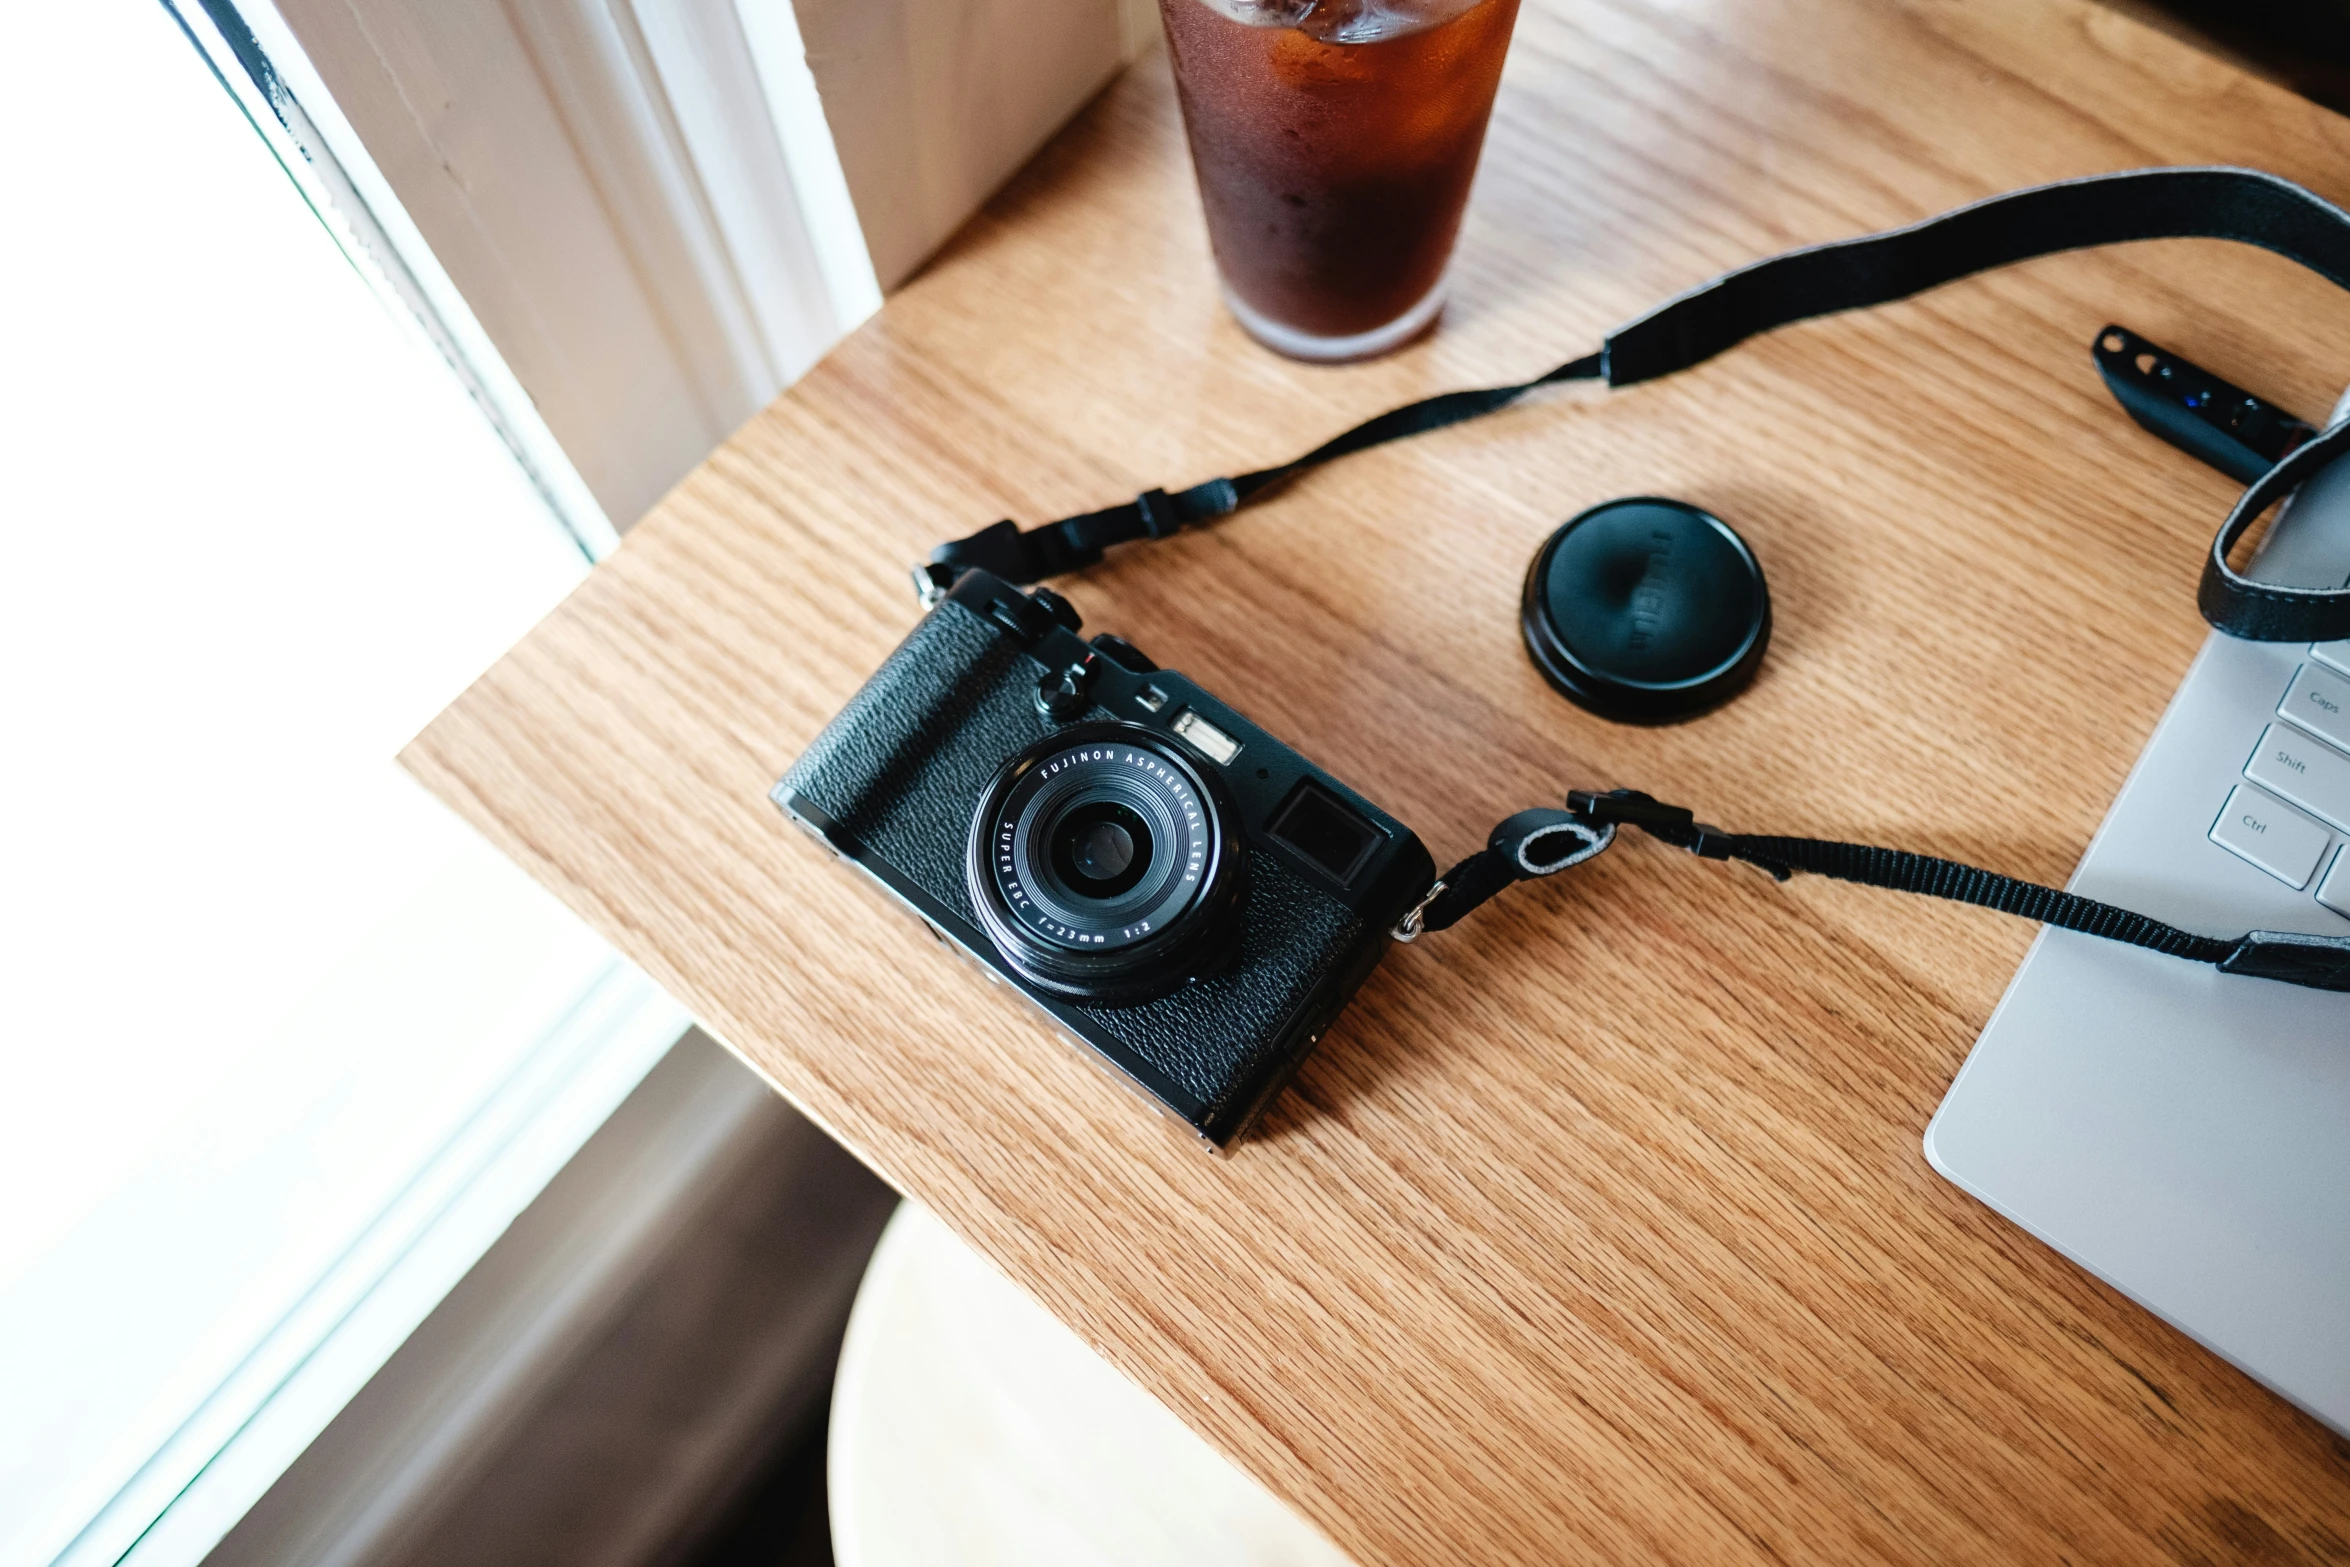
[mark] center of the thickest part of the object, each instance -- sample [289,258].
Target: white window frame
[584,1031]
[663,212]
[257,61]
[627,225]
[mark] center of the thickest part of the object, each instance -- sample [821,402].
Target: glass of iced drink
[1334,142]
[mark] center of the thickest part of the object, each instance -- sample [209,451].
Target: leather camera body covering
[896,782]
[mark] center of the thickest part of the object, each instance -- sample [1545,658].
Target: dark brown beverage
[1335,141]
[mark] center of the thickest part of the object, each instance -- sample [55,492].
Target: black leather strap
[2244,205]
[1077,542]
[2260,611]
[2317,962]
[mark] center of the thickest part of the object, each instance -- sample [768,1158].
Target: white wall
[934,103]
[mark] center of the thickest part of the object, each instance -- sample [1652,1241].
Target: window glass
[255,978]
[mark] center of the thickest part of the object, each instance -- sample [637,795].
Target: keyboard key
[2336,654]
[2313,776]
[2334,891]
[2319,701]
[2272,835]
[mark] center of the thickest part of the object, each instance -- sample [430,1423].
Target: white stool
[969,1429]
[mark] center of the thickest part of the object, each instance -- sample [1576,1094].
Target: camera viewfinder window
[1327,831]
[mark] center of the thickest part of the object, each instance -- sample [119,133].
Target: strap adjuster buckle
[1158,512]
[1630,807]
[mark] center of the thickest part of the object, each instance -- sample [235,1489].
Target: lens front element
[1104,865]
[1101,849]
[1100,844]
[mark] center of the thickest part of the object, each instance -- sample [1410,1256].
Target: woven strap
[2243,205]
[2318,962]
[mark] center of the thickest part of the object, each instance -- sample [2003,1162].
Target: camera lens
[1105,865]
[1101,849]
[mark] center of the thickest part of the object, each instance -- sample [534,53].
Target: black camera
[1189,897]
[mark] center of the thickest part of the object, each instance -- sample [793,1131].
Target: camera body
[1189,898]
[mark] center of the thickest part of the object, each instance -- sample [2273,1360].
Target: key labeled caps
[2319,701]
[2271,834]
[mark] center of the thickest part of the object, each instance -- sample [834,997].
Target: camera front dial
[1106,865]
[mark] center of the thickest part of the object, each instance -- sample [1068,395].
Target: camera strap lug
[1528,845]
[933,582]
[1414,923]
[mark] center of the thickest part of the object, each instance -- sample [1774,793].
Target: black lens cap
[1646,610]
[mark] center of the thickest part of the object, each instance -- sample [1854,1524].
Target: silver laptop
[2182,1134]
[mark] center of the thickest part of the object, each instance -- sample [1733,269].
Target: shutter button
[1064,696]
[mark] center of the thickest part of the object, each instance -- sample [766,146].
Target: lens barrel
[1106,866]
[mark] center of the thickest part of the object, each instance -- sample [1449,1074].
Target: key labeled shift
[2271,834]
[2306,771]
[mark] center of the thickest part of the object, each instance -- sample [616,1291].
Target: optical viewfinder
[1325,829]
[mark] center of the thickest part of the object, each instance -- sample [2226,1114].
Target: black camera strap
[1540,843]
[2244,205]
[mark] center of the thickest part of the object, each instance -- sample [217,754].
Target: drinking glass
[1334,142]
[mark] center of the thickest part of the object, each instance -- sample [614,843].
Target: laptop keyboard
[2295,797]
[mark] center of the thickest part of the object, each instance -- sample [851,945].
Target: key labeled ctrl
[2257,826]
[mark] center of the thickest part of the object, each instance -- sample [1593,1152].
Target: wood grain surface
[1598,1230]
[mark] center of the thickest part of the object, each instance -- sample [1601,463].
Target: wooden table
[1598,1230]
